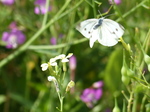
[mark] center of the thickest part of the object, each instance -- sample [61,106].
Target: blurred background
[24,86]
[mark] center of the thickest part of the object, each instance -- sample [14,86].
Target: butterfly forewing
[111,31]
[86,27]
[115,27]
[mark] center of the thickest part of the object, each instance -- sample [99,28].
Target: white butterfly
[106,31]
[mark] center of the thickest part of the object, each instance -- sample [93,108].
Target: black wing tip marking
[121,27]
[78,26]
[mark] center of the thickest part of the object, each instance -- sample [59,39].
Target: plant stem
[130,102]
[61,104]
[143,102]
[45,15]
[135,102]
[39,47]
[132,10]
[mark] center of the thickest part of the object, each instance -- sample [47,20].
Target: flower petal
[98,84]
[69,55]
[44,66]
[64,60]
[51,78]
[60,56]
[52,60]
[54,64]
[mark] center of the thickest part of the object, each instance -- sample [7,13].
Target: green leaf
[112,74]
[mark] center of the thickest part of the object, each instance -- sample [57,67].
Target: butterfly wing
[86,27]
[109,32]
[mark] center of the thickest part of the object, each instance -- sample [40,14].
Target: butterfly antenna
[100,14]
[103,15]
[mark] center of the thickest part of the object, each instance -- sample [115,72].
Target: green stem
[130,102]
[126,46]
[132,10]
[37,47]
[37,101]
[45,15]
[134,107]
[61,104]
[94,11]
[142,104]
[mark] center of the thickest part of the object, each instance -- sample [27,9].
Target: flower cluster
[53,78]
[14,37]
[52,61]
[91,95]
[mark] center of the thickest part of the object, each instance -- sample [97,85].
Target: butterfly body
[106,31]
[99,23]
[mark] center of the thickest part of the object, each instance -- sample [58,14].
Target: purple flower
[72,62]
[41,7]
[61,35]
[53,41]
[116,2]
[13,38]
[72,66]
[97,84]
[8,2]
[13,26]
[91,95]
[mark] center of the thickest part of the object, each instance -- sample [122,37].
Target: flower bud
[125,71]
[130,73]
[125,79]
[70,85]
[52,78]
[116,108]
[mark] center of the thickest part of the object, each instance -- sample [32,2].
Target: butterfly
[106,31]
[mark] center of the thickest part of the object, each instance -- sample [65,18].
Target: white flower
[51,78]
[64,58]
[60,56]
[53,62]
[44,66]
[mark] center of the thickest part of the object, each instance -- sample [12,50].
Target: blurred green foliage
[24,87]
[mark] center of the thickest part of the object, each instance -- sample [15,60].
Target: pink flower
[53,41]
[72,66]
[116,2]
[72,63]
[13,26]
[13,38]
[97,84]
[91,95]
[41,7]
[8,2]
